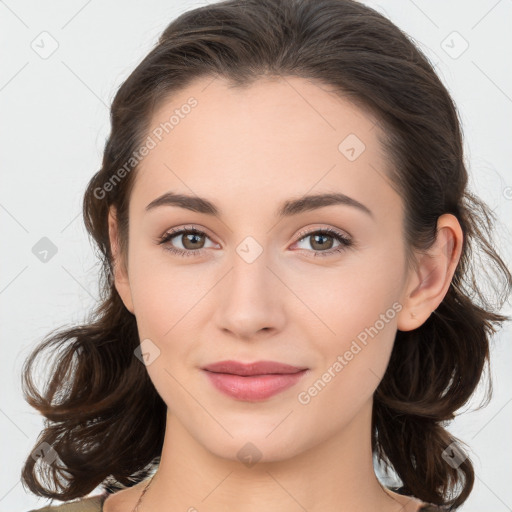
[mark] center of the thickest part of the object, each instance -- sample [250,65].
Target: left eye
[193,239]
[318,239]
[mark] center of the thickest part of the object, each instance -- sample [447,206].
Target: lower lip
[253,388]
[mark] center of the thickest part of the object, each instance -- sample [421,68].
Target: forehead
[281,136]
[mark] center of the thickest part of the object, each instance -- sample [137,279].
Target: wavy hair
[103,416]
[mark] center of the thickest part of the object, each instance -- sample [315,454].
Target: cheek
[351,367]
[167,301]
[350,298]
[359,307]
[165,294]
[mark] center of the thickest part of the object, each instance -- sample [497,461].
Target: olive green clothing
[95,504]
[90,504]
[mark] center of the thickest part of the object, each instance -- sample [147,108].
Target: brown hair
[104,417]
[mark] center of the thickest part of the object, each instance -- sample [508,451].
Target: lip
[254,381]
[255,368]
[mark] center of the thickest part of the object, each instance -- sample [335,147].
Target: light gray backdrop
[62,62]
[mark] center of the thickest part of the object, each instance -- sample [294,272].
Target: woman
[287,237]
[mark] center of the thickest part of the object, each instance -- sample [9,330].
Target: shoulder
[88,504]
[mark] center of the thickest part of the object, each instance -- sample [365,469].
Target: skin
[247,151]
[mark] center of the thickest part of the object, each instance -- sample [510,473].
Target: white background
[54,123]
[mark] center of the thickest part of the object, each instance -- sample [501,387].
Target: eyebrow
[287,209]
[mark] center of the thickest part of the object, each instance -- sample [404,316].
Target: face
[268,275]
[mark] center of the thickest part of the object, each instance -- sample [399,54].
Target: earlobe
[121,281]
[431,279]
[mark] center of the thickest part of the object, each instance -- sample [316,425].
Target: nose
[250,299]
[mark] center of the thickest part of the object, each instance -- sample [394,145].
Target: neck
[335,475]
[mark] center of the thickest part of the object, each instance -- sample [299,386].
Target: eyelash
[345,242]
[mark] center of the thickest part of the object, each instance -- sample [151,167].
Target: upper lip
[255,368]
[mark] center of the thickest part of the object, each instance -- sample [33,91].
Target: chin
[252,446]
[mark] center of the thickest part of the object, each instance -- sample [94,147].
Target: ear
[121,280]
[429,282]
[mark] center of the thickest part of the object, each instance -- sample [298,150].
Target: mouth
[254,381]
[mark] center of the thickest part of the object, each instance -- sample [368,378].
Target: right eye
[190,238]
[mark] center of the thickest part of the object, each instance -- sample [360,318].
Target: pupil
[194,238]
[322,245]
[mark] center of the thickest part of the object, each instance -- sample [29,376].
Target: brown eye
[192,241]
[322,241]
